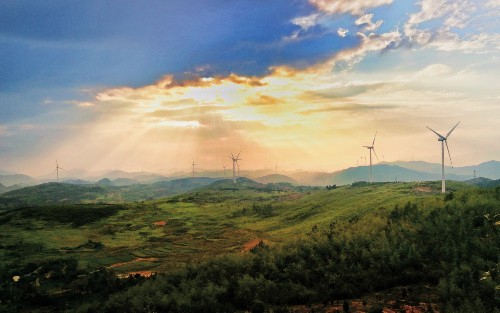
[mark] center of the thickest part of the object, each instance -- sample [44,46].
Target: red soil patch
[141,273]
[159,223]
[424,189]
[253,243]
[134,261]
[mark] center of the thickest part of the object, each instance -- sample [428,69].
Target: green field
[198,224]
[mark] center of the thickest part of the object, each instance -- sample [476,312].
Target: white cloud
[493,3]
[306,22]
[429,10]
[357,7]
[433,71]
[342,32]
[450,14]
[369,43]
[366,21]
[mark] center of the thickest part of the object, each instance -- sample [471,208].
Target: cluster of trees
[75,214]
[455,247]
[56,284]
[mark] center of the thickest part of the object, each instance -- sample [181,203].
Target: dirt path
[134,261]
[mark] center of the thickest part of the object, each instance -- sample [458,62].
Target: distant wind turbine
[372,148]
[224,170]
[193,167]
[235,162]
[57,170]
[444,140]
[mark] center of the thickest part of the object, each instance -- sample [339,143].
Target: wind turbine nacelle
[441,139]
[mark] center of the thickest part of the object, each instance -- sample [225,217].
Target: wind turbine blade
[232,155]
[446,142]
[375,154]
[238,154]
[440,136]
[452,129]
[367,147]
[373,143]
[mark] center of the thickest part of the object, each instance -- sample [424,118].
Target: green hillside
[223,218]
[102,192]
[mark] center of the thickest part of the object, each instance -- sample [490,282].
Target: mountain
[104,190]
[241,183]
[490,169]
[133,177]
[185,184]
[105,182]
[50,193]
[125,182]
[77,182]
[17,179]
[275,178]
[381,173]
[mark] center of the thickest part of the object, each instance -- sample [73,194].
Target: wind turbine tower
[193,167]
[223,166]
[372,148]
[57,170]
[235,162]
[444,141]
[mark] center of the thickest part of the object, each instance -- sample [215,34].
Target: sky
[155,85]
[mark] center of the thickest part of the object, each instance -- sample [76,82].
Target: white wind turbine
[193,167]
[444,141]
[235,162]
[372,148]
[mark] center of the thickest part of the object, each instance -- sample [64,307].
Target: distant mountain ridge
[490,169]
[54,193]
[275,178]
[387,171]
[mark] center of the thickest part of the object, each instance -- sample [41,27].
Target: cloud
[342,32]
[263,100]
[450,14]
[367,23]
[348,6]
[493,3]
[306,22]
[369,43]
[355,108]
[433,71]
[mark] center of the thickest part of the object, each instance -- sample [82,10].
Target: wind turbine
[224,170]
[372,148]
[57,170]
[444,140]
[193,167]
[235,162]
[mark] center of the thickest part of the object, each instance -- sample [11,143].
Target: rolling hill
[104,191]
[275,178]
[17,179]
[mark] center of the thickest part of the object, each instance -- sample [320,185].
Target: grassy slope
[199,224]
